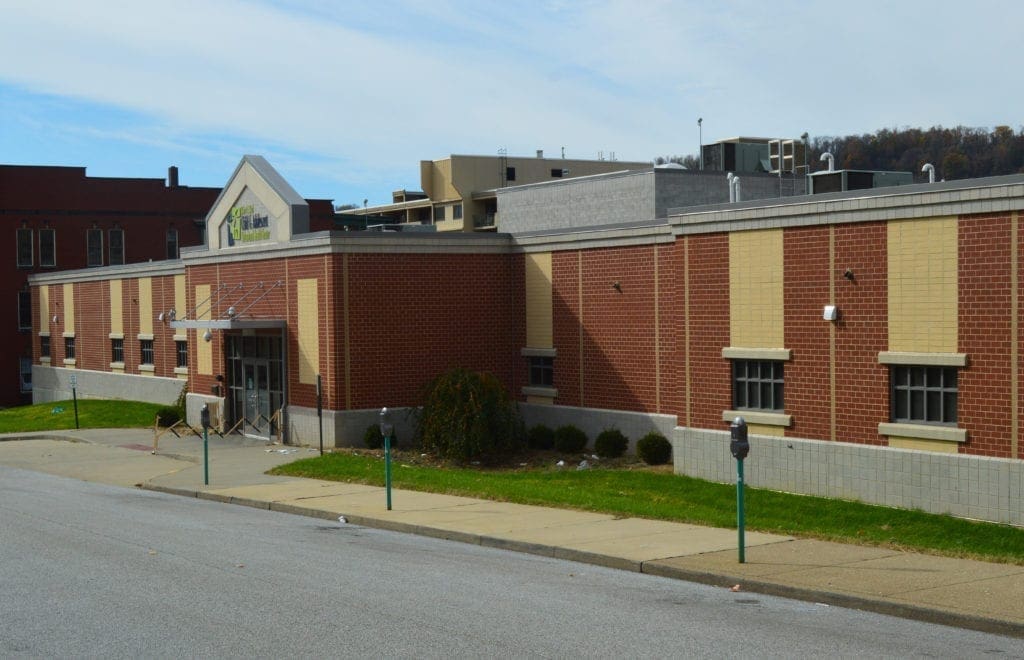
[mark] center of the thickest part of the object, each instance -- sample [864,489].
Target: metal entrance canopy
[234,320]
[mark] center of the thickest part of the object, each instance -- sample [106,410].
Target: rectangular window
[26,374]
[44,346]
[116,245]
[69,348]
[24,310]
[24,248]
[457,212]
[172,243]
[510,174]
[924,395]
[438,214]
[557,173]
[758,385]
[146,348]
[117,350]
[181,349]
[94,247]
[47,248]
[542,372]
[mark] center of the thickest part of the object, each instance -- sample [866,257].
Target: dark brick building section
[65,200]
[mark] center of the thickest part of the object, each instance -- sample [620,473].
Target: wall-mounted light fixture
[830,313]
[207,336]
[56,319]
[160,317]
[171,314]
[617,286]
[848,274]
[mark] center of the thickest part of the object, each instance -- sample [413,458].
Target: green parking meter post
[740,447]
[74,395]
[386,429]
[204,419]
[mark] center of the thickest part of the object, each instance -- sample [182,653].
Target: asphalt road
[94,570]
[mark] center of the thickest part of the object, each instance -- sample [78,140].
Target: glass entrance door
[257,397]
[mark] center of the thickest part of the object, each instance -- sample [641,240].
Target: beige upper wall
[69,309]
[117,307]
[922,266]
[44,309]
[539,325]
[458,177]
[756,289]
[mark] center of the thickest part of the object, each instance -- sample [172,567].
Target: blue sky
[345,98]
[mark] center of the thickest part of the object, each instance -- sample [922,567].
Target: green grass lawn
[665,496]
[92,414]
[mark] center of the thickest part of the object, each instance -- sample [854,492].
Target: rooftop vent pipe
[172,177]
[930,169]
[540,153]
[831,161]
[730,177]
[736,186]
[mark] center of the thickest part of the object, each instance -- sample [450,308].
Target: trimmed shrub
[540,437]
[610,443]
[374,440]
[168,415]
[467,415]
[654,449]
[570,439]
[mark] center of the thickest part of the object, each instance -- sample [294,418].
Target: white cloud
[380,86]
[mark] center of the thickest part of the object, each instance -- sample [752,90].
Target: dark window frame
[25,384]
[758,385]
[93,248]
[117,350]
[510,174]
[119,251]
[920,394]
[23,245]
[457,212]
[439,214]
[181,354]
[147,353]
[172,243]
[24,310]
[542,371]
[50,248]
[69,348]
[44,346]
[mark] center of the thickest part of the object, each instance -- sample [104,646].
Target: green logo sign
[245,225]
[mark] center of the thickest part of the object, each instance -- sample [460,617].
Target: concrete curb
[879,606]
[653,567]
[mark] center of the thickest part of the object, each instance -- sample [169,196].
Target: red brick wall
[709,330]
[566,328]
[672,328]
[984,333]
[618,329]
[331,373]
[806,279]
[412,316]
[862,384]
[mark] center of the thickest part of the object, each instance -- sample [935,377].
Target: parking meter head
[386,427]
[204,416]
[738,444]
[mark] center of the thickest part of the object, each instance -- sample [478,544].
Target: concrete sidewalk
[957,592]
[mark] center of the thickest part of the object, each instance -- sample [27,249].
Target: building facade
[871,340]
[57,218]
